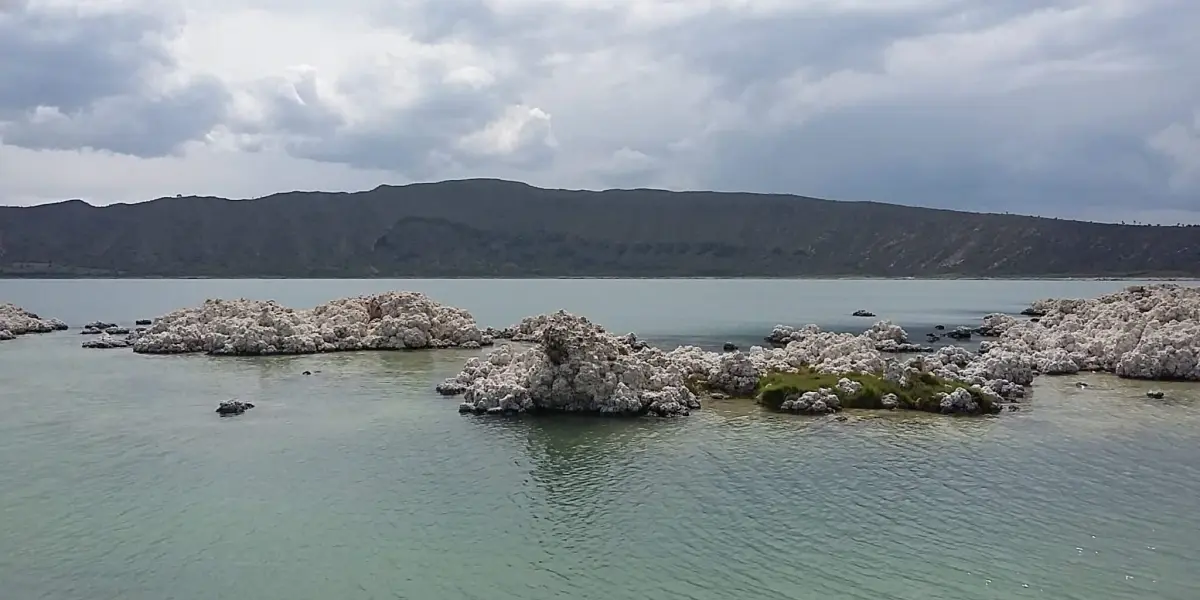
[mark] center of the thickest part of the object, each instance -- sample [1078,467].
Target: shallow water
[360,482]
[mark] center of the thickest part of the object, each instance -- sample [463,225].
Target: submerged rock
[233,407]
[960,333]
[387,321]
[1157,394]
[15,321]
[106,341]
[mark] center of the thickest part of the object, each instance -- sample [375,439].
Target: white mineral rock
[958,401]
[15,321]
[387,321]
[820,402]
[1141,332]
[995,324]
[575,367]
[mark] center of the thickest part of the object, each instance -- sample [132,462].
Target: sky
[1083,109]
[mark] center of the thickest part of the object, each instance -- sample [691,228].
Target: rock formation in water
[574,367]
[15,321]
[106,341]
[1141,332]
[387,321]
[577,366]
[233,407]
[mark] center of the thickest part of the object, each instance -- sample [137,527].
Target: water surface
[359,482]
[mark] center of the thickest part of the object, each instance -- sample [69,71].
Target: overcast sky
[1074,108]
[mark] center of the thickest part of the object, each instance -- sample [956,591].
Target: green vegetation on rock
[921,394]
[494,228]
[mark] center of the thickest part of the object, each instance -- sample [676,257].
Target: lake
[118,481]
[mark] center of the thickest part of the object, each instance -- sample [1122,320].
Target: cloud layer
[1073,108]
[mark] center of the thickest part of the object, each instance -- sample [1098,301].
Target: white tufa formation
[1141,332]
[611,374]
[387,321]
[575,367]
[15,321]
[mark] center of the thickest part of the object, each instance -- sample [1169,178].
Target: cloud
[1072,108]
[100,78]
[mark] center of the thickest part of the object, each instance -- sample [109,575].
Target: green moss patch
[921,394]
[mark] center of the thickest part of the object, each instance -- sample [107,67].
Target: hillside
[483,228]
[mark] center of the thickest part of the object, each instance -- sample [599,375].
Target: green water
[118,481]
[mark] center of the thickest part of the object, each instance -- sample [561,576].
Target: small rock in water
[307,373]
[233,407]
[106,341]
[960,333]
[729,347]
[451,387]
[863,313]
[143,322]
[940,327]
[1081,385]
[1155,394]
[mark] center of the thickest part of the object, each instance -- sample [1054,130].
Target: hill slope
[486,228]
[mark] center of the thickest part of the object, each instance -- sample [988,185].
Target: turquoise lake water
[118,481]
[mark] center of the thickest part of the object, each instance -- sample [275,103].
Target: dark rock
[863,313]
[233,407]
[729,347]
[307,373]
[932,337]
[450,387]
[960,333]
[940,327]
[143,322]
[1157,394]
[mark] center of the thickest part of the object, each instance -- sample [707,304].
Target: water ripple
[356,482]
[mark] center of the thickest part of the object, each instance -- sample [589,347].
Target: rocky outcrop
[15,321]
[820,402]
[1141,332]
[995,324]
[575,367]
[387,321]
[892,338]
[862,313]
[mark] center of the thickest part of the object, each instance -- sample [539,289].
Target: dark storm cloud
[69,80]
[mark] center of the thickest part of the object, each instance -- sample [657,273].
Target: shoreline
[1144,278]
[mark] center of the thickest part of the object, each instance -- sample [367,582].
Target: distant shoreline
[614,277]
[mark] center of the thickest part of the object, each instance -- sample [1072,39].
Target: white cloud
[1065,107]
